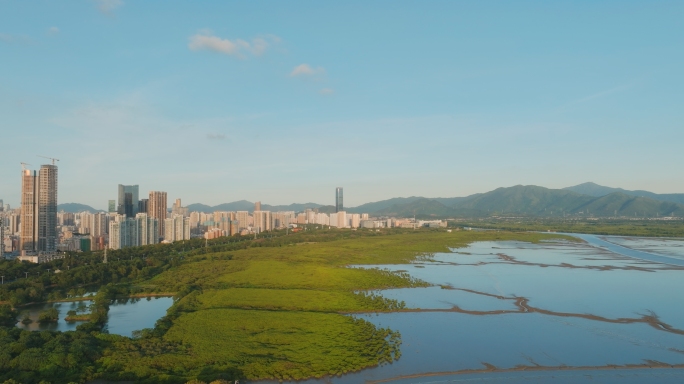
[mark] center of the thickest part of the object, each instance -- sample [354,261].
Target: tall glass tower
[47,209]
[339,206]
[128,200]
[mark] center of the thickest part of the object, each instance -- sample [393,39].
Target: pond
[557,311]
[125,315]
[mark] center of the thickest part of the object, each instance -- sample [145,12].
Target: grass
[293,300]
[301,275]
[282,345]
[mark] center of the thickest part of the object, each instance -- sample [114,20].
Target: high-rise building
[257,206]
[86,223]
[262,221]
[354,220]
[39,209]
[111,206]
[143,205]
[133,232]
[100,224]
[128,200]
[243,219]
[147,228]
[282,219]
[339,206]
[178,209]
[14,223]
[28,241]
[157,207]
[177,228]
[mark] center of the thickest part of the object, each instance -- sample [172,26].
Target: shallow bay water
[550,312]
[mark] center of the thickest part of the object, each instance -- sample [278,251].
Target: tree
[26,319]
[49,316]
[8,315]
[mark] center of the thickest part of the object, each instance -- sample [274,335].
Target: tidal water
[125,316]
[561,312]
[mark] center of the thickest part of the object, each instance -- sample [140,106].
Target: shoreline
[77,299]
[652,364]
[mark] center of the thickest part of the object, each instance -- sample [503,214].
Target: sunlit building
[39,210]
[157,208]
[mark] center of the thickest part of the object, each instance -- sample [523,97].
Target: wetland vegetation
[274,308]
[594,226]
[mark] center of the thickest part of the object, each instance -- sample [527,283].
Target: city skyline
[469,98]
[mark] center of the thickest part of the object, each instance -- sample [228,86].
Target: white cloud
[53,31]
[207,41]
[108,6]
[326,91]
[306,70]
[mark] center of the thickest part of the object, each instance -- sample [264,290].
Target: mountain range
[588,199]
[76,208]
[593,189]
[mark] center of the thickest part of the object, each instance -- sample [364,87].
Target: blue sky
[217,101]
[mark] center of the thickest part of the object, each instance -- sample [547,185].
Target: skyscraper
[112,206]
[39,209]
[257,206]
[28,241]
[47,209]
[128,200]
[339,206]
[156,208]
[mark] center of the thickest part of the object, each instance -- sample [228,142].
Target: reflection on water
[513,306]
[125,316]
[668,247]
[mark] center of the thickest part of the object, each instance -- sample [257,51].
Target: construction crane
[51,158]
[23,166]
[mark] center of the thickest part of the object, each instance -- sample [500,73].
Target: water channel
[558,311]
[124,317]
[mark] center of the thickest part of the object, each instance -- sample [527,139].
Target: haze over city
[282,102]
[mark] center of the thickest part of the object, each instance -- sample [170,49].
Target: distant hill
[76,208]
[419,207]
[244,205]
[291,207]
[593,189]
[626,205]
[524,200]
[527,200]
[200,208]
[383,204]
